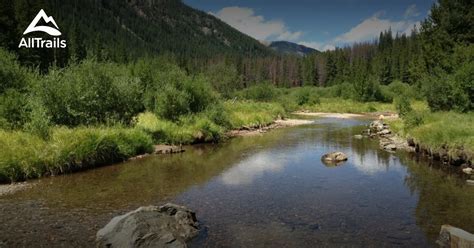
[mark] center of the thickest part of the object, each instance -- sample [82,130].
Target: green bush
[90,93]
[403,105]
[413,119]
[445,93]
[14,83]
[263,92]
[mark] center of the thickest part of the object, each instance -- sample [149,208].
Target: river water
[265,191]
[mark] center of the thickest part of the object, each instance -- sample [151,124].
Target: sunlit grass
[340,105]
[25,156]
[448,129]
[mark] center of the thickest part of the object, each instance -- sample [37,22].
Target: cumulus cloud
[246,21]
[371,27]
[411,11]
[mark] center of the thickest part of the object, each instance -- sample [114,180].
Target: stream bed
[270,190]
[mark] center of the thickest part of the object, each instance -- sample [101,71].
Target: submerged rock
[334,157]
[165,149]
[167,226]
[358,136]
[450,236]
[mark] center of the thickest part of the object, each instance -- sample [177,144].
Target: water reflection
[269,190]
[246,171]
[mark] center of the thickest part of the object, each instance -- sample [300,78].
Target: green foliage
[368,89]
[13,91]
[261,92]
[305,96]
[448,92]
[25,155]
[403,106]
[251,114]
[224,78]
[448,130]
[413,119]
[90,93]
[39,121]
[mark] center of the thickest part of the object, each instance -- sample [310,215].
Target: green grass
[340,105]
[249,113]
[448,129]
[210,125]
[26,156]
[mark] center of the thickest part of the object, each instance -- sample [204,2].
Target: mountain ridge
[286,47]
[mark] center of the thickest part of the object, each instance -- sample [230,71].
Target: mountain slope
[125,29]
[287,47]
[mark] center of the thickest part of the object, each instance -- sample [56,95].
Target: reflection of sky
[246,171]
[369,163]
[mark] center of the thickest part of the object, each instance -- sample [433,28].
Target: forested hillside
[122,31]
[286,47]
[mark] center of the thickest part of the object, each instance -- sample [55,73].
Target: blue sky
[319,24]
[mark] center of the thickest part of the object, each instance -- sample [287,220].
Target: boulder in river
[334,157]
[169,225]
[450,236]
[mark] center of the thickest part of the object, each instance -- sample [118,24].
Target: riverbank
[444,136]
[28,156]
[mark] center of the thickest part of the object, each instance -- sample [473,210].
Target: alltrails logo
[56,42]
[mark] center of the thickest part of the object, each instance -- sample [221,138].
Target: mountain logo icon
[48,19]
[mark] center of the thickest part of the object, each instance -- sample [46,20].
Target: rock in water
[450,236]
[334,157]
[377,126]
[167,226]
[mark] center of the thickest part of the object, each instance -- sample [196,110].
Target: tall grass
[26,156]
[441,129]
[340,105]
[210,125]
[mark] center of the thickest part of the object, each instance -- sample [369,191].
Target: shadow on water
[268,190]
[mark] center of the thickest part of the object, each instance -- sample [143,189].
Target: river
[264,191]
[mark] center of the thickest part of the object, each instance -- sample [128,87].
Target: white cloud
[252,168]
[371,27]
[246,21]
[411,11]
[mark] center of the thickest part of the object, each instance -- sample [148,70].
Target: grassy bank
[25,155]
[340,105]
[440,130]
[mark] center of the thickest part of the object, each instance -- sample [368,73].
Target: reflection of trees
[443,198]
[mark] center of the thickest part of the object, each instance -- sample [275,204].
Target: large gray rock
[167,226]
[450,236]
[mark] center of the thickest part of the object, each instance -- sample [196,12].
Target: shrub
[39,121]
[90,93]
[445,93]
[403,105]
[14,82]
[263,92]
[413,119]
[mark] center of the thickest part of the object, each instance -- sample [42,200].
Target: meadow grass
[210,125]
[24,156]
[441,129]
[340,105]
[249,113]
